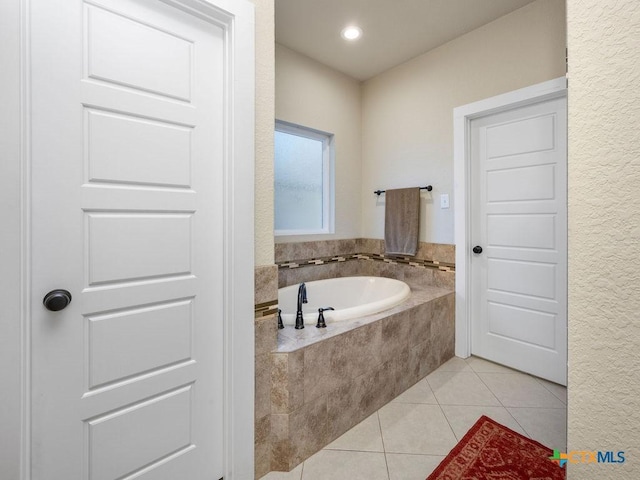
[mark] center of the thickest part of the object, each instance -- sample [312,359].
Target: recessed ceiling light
[351,33]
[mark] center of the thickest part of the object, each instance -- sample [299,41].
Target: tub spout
[302,298]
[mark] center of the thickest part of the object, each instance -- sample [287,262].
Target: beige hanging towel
[402,221]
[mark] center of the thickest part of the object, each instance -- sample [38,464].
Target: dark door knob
[56,300]
[477,249]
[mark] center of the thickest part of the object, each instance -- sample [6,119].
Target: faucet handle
[280,324]
[321,323]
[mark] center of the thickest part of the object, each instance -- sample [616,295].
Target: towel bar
[428,188]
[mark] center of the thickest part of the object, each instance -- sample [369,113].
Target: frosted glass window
[302,180]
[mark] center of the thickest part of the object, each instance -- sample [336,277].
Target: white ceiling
[394,31]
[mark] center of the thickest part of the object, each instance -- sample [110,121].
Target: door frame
[462,117]
[237,19]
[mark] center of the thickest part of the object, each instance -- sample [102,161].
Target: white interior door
[127,128]
[519,220]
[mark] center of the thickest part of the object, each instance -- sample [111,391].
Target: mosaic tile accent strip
[391,259]
[265,309]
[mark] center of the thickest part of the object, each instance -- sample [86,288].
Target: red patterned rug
[490,451]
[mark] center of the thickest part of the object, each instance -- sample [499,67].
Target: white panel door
[128,102]
[519,204]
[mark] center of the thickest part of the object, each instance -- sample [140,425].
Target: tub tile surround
[285,252]
[328,387]
[314,392]
[266,334]
[433,264]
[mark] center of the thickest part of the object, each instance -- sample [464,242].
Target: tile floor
[407,438]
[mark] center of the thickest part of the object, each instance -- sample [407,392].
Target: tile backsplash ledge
[434,264]
[287,252]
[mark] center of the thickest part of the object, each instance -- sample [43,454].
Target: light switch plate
[444,200]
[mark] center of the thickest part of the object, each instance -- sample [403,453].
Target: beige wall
[395,130]
[265,77]
[604,234]
[407,111]
[313,95]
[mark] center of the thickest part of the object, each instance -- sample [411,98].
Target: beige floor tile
[546,425]
[520,390]
[420,426]
[559,391]
[415,428]
[460,388]
[295,474]
[455,364]
[365,437]
[419,393]
[462,417]
[344,465]
[411,467]
[480,365]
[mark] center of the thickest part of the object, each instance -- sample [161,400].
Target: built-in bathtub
[326,380]
[351,297]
